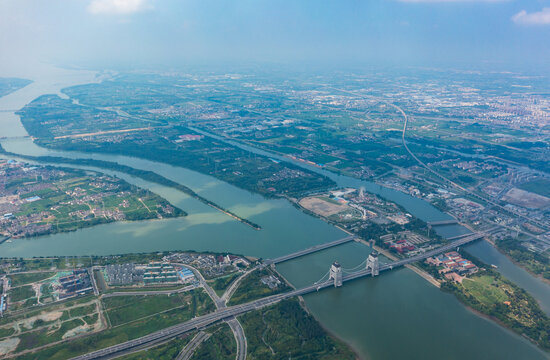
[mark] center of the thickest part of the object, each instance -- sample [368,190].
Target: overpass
[227,313]
[443,222]
[307,251]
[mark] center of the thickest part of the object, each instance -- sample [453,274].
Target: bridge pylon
[336,274]
[373,264]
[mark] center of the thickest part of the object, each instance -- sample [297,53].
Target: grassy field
[251,288]
[540,186]
[125,309]
[23,279]
[221,345]
[486,289]
[287,331]
[21,293]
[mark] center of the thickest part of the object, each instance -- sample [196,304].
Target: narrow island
[41,200]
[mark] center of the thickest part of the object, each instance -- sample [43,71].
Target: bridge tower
[372,263]
[336,274]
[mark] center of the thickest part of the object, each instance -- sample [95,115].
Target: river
[397,315]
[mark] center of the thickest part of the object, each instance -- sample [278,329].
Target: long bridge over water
[443,222]
[310,250]
[230,312]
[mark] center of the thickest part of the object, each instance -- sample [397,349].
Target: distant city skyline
[137,33]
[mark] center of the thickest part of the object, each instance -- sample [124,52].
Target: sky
[173,33]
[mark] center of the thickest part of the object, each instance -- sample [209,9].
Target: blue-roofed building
[185,274]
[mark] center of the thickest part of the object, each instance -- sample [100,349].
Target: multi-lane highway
[238,331]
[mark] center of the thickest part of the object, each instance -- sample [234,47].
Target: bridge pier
[373,264]
[336,274]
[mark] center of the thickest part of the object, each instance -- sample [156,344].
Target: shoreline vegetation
[142,174]
[488,294]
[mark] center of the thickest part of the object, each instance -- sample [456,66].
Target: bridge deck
[443,222]
[308,250]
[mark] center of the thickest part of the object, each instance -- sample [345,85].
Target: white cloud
[536,18]
[118,6]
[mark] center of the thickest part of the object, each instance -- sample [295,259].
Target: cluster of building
[78,282]
[453,266]
[152,273]
[211,266]
[271,281]
[406,242]
[123,274]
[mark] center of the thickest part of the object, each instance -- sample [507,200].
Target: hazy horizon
[170,34]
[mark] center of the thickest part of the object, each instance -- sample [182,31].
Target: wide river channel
[398,315]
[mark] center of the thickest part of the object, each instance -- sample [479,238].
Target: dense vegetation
[221,345]
[536,263]
[286,331]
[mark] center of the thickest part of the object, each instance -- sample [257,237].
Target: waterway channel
[396,316]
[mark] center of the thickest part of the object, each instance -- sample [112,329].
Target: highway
[189,349]
[240,337]
[228,313]
[152,292]
[229,292]
[308,250]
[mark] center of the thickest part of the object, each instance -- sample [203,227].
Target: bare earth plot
[322,206]
[526,199]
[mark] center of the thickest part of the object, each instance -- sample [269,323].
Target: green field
[23,279]
[125,309]
[540,186]
[21,293]
[486,289]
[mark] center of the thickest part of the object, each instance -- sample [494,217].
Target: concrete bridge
[307,251]
[443,222]
[372,268]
